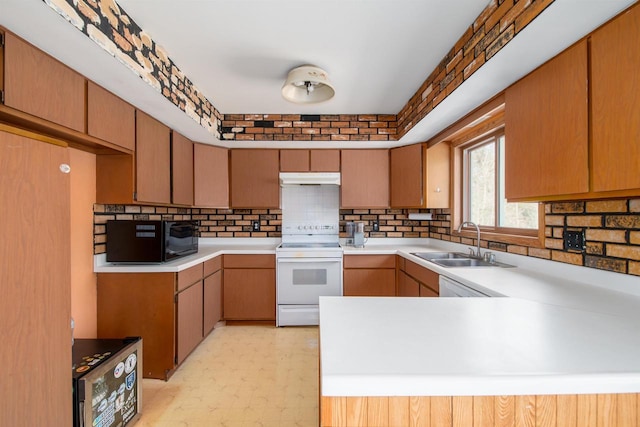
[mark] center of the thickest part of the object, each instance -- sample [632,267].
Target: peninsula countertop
[375,346]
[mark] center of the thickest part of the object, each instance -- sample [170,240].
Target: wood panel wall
[582,410]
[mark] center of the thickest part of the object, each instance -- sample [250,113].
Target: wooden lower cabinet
[487,411]
[212,301]
[407,285]
[427,280]
[141,304]
[369,275]
[172,312]
[189,306]
[249,287]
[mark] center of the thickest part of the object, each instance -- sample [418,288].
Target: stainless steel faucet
[477,254]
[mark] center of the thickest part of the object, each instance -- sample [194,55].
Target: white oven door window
[302,281]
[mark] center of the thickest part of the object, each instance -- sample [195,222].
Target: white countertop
[473,346]
[565,329]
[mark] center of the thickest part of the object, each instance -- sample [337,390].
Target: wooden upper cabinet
[407,176]
[615,61]
[294,160]
[153,160]
[546,129]
[254,178]
[39,85]
[181,170]
[210,176]
[110,118]
[365,179]
[437,184]
[325,160]
[309,160]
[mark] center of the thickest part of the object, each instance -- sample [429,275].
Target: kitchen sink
[430,256]
[463,262]
[456,259]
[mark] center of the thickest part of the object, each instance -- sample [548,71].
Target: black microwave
[150,241]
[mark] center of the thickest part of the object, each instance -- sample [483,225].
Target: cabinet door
[110,118]
[212,301]
[438,178]
[294,160]
[210,176]
[407,286]
[426,277]
[249,294]
[153,160]
[546,129]
[407,164]
[189,316]
[41,86]
[181,170]
[325,161]
[35,308]
[615,101]
[369,282]
[365,179]
[254,179]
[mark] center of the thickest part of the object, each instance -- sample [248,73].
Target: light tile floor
[240,376]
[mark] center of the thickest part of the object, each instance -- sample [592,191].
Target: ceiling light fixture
[307,84]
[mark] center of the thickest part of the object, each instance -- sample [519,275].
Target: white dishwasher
[451,288]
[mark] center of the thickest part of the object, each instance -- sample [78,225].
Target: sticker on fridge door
[119,369]
[130,363]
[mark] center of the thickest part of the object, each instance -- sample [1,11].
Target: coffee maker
[350,229]
[358,235]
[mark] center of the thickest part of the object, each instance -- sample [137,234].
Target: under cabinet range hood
[309,178]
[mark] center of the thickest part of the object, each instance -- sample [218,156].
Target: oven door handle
[307,259]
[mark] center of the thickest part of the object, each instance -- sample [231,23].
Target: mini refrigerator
[107,382]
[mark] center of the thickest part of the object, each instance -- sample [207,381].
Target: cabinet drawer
[423,275]
[369,282]
[249,261]
[370,261]
[189,276]
[212,265]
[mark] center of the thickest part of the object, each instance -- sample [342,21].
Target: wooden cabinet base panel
[487,411]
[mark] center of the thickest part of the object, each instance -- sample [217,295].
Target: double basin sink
[457,259]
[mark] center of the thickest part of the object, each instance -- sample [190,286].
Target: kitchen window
[481,196]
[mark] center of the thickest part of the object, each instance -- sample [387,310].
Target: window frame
[507,235]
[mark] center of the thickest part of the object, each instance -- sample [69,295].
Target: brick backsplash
[611,228]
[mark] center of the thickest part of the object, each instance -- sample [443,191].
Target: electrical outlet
[255,226]
[574,240]
[376,226]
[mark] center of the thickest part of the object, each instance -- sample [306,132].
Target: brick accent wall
[113,30]
[237,222]
[498,23]
[309,127]
[611,228]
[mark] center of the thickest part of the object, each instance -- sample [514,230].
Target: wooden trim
[471,121]
[486,411]
[32,135]
[44,128]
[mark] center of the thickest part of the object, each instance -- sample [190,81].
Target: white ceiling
[377,53]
